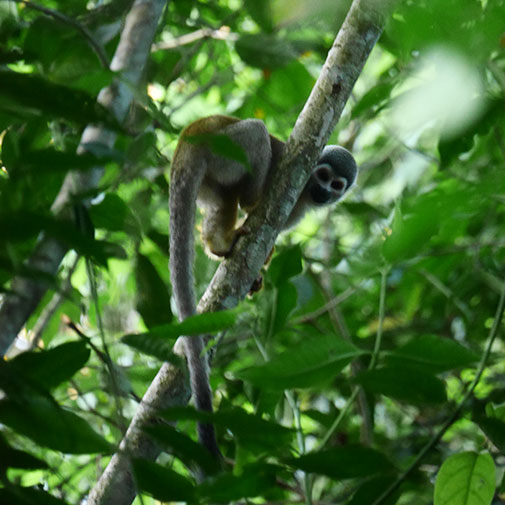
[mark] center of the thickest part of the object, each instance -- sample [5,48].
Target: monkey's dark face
[333,175]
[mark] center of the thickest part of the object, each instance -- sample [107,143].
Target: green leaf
[152,295]
[42,420]
[161,482]
[154,345]
[411,233]
[200,324]
[16,495]
[373,100]
[432,353]
[24,95]
[344,462]
[183,447]
[285,302]
[261,12]
[467,478]
[253,431]
[494,429]
[285,265]
[372,488]
[250,429]
[14,458]
[52,367]
[253,480]
[265,51]
[309,363]
[409,385]
[24,225]
[113,214]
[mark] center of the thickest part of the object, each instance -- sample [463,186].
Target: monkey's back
[203,126]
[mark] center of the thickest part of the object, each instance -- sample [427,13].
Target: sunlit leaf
[466,478]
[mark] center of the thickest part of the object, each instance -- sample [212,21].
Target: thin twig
[203,33]
[337,300]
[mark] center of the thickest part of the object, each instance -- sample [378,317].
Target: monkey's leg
[218,228]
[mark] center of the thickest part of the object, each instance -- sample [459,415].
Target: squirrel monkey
[219,185]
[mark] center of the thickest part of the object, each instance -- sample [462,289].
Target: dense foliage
[363,350]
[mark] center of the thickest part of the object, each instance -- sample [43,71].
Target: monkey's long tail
[183,194]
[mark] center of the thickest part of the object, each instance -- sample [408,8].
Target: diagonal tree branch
[356,39]
[129,61]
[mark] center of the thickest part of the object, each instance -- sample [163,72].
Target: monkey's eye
[323,175]
[339,184]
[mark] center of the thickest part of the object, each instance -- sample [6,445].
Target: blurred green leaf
[209,322]
[153,297]
[373,100]
[27,96]
[14,458]
[372,488]
[261,12]
[180,445]
[251,430]
[40,366]
[161,482]
[285,265]
[153,344]
[433,354]
[494,429]
[411,233]
[310,363]
[264,50]
[16,495]
[25,225]
[113,214]
[253,480]
[42,420]
[407,384]
[285,302]
[344,462]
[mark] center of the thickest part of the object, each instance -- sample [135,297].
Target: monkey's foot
[256,286]
[221,244]
[239,232]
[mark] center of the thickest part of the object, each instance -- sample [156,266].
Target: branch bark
[357,37]
[129,61]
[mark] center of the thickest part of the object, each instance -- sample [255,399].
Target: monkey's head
[333,175]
